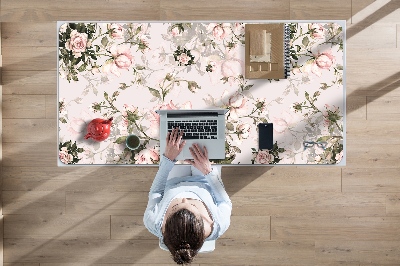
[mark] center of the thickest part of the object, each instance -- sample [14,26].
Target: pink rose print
[311,67]
[238,28]
[235,103]
[264,157]
[167,106]
[285,120]
[231,68]
[280,125]
[122,59]
[117,31]
[77,44]
[147,156]
[154,120]
[184,59]
[318,31]
[77,126]
[219,31]
[175,31]
[187,105]
[325,60]
[64,156]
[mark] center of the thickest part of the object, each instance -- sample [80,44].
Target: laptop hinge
[192,114]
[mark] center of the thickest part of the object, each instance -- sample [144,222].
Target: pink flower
[243,130]
[77,44]
[122,56]
[147,156]
[77,126]
[117,30]
[264,157]
[219,31]
[235,103]
[238,28]
[318,31]
[154,120]
[231,68]
[325,60]
[280,125]
[311,67]
[175,31]
[184,59]
[122,59]
[168,106]
[187,105]
[64,156]
[237,100]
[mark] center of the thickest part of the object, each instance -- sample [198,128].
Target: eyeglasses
[320,144]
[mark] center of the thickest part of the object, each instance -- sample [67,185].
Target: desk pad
[128,70]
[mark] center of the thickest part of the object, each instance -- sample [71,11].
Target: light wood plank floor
[281,215]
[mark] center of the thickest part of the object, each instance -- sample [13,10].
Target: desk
[129,70]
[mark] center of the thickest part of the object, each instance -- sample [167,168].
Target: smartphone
[265,136]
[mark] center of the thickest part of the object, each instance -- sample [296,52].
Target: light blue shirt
[209,188]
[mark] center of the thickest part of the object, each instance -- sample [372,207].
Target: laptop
[205,127]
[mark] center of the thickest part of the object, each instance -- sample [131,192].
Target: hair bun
[183,255]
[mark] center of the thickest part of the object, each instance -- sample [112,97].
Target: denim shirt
[209,188]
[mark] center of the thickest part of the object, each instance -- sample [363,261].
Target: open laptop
[205,127]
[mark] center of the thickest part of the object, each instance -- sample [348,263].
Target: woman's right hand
[200,159]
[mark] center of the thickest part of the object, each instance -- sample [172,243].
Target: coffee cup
[132,142]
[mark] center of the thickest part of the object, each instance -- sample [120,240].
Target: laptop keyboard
[195,129]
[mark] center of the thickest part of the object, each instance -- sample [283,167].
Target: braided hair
[184,235]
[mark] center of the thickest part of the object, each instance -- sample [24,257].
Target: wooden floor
[281,215]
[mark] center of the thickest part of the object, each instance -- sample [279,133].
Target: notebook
[267,51]
[204,127]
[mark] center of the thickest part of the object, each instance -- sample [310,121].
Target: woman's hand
[200,159]
[174,144]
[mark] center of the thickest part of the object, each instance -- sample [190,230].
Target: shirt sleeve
[156,194]
[222,199]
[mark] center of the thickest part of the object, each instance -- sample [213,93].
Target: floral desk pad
[127,71]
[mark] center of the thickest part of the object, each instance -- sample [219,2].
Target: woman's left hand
[174,144]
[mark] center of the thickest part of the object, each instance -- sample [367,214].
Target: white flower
[63,27]
[339,156]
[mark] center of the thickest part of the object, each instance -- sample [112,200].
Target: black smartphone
[265,136]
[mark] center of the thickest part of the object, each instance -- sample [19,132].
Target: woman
[186,210]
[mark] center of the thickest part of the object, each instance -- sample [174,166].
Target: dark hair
[184,235]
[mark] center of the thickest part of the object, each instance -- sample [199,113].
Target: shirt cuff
[169,161]
[214,171]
